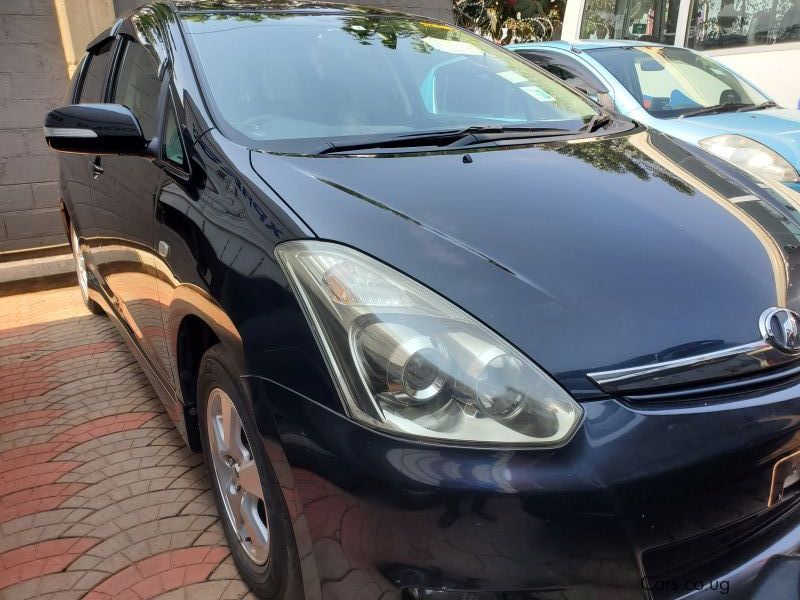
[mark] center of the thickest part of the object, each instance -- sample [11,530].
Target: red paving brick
[33,475]
[36,560]
[28,419]
[161,573]
[29,455]
[36,499]
[104,426]
[99,497]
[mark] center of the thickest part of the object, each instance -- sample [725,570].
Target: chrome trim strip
[731,362]
[73,132]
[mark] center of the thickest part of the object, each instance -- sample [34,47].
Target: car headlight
[750,155]
[409,362]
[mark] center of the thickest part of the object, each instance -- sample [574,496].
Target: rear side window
[138,87]
[96,72]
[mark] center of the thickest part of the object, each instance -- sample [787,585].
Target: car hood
[587,256]
[776,128]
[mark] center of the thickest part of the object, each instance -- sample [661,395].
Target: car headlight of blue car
[752,156]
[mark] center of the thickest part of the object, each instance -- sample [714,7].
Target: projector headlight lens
[407,361]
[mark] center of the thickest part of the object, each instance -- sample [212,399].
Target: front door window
[138,86]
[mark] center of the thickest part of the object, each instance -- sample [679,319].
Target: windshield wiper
[717,108]
[448,137]
[596,122]
[762,106]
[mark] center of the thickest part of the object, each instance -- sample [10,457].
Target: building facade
[41,43]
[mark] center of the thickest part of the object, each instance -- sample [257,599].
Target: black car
[443,327]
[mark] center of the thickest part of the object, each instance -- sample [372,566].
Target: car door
[126,187]
[76,174]
[177,261]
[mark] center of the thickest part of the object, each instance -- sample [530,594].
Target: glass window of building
[644,20]
[736,23]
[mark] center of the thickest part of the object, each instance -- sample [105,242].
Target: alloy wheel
[236,476]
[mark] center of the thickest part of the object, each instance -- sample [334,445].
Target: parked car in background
[744,36]
[441,326]
[682,93]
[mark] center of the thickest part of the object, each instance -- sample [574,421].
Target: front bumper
[663,502]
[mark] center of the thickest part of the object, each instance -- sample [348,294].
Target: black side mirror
[94,129]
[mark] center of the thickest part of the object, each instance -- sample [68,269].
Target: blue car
[683,94]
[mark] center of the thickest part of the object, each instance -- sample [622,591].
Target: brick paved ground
[99,497]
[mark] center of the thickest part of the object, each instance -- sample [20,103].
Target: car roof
[234,6]
[584,44]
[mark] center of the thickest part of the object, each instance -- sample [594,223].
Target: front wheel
[83,276]
[249,500]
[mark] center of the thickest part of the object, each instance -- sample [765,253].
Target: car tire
[238,472]
[81,272]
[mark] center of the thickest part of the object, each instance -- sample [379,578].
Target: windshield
[279,76]
[669,82]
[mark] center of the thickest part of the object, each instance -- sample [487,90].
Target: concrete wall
[80,22]
[33,77]
[768,67]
